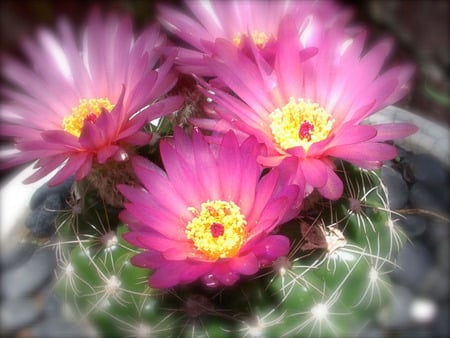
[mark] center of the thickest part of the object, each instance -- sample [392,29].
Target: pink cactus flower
[311,102]
[84,100]
[239,21]
[210,214]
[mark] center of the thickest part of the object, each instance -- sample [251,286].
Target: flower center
[300,123]
[88,110]
[218,230]
[259,38]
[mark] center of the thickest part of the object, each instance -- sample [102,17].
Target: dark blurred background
[420,28]
[421,31]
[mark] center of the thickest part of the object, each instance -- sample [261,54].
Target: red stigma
[305,130]
[91,118]
[217,229]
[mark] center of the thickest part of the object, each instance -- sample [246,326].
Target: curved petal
[74,163]
[333,188]
[314,171]
[194,271]
[245,265]
[106,153]
[167,275]
[270,248]
[392,131]
[148,259]
[363,152]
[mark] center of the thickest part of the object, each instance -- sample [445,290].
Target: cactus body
[334,279]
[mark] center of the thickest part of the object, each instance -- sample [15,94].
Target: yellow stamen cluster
[213,243]
[259,38]
[300,123]
[88,109]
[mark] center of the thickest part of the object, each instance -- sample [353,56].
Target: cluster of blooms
[288,85]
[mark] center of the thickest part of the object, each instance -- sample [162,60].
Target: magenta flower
[210,214]
[85,100]
[237,21]
[311,102]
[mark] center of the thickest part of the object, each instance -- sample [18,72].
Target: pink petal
[183,144]
[270,248]
[163,107]
[187,28]
[270,161]
[402,74]
[230,168]
[152,241]
[73,164]
[178,253]
[274,211]
[138,138]
[167,275]
[245,265]
[107,123]
[371,63]
[363,152]
[41,173]
[193,271]
[47,167]
[224,275]
[106,153]
[155,181]
[60,137]
[91,137]
[314,171]
[85,168]
[148,259]
[350,134]
[154,216]
[392,131]
[287,65]
[334,187]
[264,191]
[206,167]
[183,177]
[248,183]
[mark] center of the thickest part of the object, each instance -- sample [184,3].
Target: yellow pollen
[218,230]
[300,123]
[259,38]
[87,110]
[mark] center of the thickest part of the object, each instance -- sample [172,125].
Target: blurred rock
[427,170]
[438,230]
[423,197]
[17,255]
[414,261]
[442,255]
[57,327]
[394,315]
[441,326]
[52,305]
[397,187]
[435,284]
[413,225]
[62,191]
[41,221]
[17,313]
[27,279]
